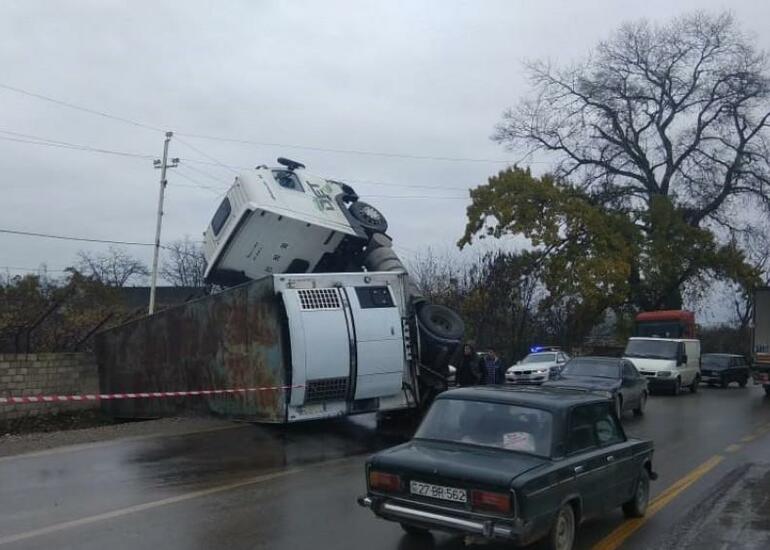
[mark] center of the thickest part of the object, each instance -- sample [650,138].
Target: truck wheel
[743,382]
[639,411]
[414,531]
[562,534]
[368,216]
[637,506]
[767,390]
[441,322]
[724,383]
[695,384]
[677,389]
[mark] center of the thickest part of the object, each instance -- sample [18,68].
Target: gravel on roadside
[14,444]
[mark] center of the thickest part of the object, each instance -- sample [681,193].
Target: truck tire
[440,322]
[743,381]
[695,384]
[368,216]
[767,390]
[637,505]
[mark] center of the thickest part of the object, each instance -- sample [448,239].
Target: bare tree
[184,263]
[678,110]
[112,268]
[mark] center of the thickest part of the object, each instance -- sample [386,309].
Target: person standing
[471,369]
[493,369]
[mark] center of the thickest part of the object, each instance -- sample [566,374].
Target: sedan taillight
[491,502]
[381,481]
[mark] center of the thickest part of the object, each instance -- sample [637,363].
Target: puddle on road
[251,449]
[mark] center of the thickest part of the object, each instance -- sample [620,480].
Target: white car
[668,363]
[536,367]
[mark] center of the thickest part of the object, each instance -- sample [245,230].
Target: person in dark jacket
[471,369]
[493,369]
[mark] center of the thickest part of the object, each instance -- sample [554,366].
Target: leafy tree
[658,138]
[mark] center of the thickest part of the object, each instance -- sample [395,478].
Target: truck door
[379,335]
[320,344]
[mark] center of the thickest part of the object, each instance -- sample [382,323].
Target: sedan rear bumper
[488,528]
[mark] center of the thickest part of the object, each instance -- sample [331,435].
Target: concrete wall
[46,374]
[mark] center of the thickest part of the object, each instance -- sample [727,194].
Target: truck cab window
[288,180]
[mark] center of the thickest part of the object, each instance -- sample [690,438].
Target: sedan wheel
[639,411]
[562,535]
[637,506]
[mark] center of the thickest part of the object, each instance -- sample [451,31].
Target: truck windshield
[652,349]
[498,425]
[540,358]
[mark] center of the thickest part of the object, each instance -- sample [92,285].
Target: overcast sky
[414,77]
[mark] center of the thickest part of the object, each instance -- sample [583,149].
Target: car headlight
[540,371]
[664,373]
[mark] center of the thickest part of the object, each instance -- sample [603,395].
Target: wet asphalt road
[257,487]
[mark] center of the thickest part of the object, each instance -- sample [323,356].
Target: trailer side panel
[230,340]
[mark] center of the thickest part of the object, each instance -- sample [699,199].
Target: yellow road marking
[142,507]
[626,529]
[748,438]
[735,447]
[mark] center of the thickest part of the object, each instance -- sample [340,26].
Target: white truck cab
[670,363]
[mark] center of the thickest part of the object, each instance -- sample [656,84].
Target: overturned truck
[317,316]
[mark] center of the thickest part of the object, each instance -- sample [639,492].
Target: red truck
[669,323]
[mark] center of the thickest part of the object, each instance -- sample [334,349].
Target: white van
[670,363]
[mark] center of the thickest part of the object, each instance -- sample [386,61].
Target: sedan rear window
[597,369]
[498,425]
[715,361]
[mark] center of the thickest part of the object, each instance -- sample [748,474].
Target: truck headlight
[664,373]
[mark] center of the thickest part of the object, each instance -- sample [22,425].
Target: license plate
[437,491]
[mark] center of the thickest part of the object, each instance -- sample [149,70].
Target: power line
[196,183]
[418,197]
[360,152]
[346,151]
[70,238]
[217,161]
[48,142]
[204,173]
[37,140]
[80,108]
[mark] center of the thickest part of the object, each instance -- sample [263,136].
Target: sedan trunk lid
[448,462]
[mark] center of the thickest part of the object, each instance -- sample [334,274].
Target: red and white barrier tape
[137,395]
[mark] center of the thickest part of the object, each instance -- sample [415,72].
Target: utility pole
[162,165]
